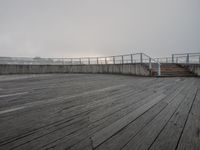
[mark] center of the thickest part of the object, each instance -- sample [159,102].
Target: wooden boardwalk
[102,112]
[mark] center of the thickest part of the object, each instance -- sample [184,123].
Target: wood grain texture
[103,112]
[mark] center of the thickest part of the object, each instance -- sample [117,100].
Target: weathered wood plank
[71,110]
[190,138]
[73,116]
[121,138]
[170,135]
[97,126]
[53,136]
[107,132]
[149,133]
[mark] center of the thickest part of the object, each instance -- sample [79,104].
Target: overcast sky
[74,28]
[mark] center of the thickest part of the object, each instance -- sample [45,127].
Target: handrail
[118,59]
[184,58]
[154,64]
[128,58]
[150,62]
[197,53]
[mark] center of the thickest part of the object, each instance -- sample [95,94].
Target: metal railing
[119,59]
[154,65]
[185,58]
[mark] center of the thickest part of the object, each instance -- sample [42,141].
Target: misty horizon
[64,29]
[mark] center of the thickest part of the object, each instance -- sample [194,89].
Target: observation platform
[102,112]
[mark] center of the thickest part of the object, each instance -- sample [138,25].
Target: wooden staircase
[175,70]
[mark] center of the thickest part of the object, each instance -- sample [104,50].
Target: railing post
[176,59]
[187,59]
[113,59]
[132,58]
[63,62]
[159,72]
[71,61]
[79,60]
[150,66]
[172,58]
[97,60]
[122,59]
[140,57]
[88,61]
[199,59]
[105,60]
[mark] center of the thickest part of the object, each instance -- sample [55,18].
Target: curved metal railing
[184,58]
[118,59]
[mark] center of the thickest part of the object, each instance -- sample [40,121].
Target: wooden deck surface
[103,112]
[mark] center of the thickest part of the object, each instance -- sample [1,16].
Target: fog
[78,28]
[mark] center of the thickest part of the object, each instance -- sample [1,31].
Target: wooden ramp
[102,112]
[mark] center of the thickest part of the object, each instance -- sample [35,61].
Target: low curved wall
[132,69]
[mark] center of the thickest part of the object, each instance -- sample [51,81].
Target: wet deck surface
[103,112]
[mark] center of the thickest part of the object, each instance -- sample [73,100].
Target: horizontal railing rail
[118,59]
[154,65]
[185,58]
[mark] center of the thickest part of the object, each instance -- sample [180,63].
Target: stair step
[172,70]
[182,72]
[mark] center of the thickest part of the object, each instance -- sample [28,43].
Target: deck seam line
[126,106]
[186,120]
[140,92]
[166,102]
[128,124]
[114,134]
[92,145]
[153,118]
[44,127]
[165,124]
[144,126]
[50,143]
[142,114]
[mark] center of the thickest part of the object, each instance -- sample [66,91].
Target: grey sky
[73,28]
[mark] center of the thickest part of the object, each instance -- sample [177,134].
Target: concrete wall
[195,68]
[132,69]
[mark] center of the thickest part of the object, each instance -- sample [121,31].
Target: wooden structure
[102,112]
